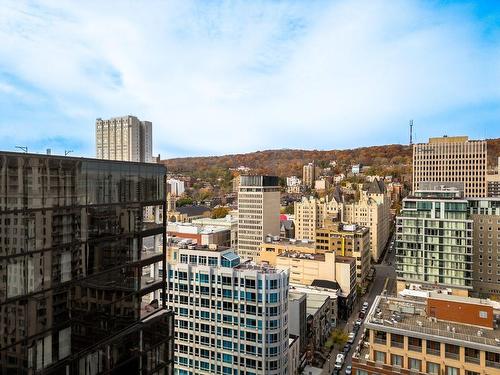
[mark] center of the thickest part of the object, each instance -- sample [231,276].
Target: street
[385,271]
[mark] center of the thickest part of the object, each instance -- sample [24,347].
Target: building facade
[310,173]
[347,240]
[258,213]
[310,213]
[124,138]
[442,335]
[231,317]
[372,210]
[434,241]
[452,159]
[74,294]
[485,213]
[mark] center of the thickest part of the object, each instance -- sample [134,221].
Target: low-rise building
[319,318]
[441,334]
[297,317]
[229,222]
[201,235]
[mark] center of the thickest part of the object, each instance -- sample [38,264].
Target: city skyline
[261,74]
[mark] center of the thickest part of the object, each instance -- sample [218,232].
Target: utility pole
[67,152]
[24,148]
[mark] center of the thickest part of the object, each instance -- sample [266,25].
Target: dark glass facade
[74,298]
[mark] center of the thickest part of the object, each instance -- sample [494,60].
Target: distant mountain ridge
[393,158]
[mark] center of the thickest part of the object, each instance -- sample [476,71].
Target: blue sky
[219,77]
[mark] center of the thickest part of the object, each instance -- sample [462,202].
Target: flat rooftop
[262,268]
[309,244]
[299,255]
[411,319]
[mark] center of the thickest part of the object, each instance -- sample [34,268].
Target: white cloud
[238,76]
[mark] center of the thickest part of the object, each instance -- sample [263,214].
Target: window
[414,364]
[397,360]
[452,371]
[379,357]
[433,368]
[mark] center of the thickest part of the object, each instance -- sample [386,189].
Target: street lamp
[67,152]
[24,148]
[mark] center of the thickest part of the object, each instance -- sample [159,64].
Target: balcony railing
[492,364]
[435,352]
[415,348]
[397,344]
[452,355]
[472,359]
[379,340]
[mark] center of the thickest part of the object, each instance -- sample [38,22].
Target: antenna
[411,132]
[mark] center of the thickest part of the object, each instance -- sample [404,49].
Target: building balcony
[434,352]
[493,364]
[472,359]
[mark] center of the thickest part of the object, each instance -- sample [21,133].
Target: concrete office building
[372,210]
[452,159]
[434,241]
[258,213]
[175,187]
[229,222]
[75,297]
[310,173]
[349,240]
[297,317]
[310,213]
[485,213]
[439,335]
[124,138]
[231,317]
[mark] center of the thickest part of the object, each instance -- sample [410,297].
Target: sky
[221,77]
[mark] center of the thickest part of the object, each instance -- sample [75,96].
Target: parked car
[347,347]
[358,322]
[339,362]
[361,315]
[351,338]
[365,305]
[348,370]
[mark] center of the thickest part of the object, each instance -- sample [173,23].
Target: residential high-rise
[258,213]
[434,240]
[485,212]
[310,172]
[438,335]
[371,210]
[310,213]
[452,159]
[78,290]
[231,317]
[124,138]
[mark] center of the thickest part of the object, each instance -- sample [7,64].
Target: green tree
[184,201]
[289,209]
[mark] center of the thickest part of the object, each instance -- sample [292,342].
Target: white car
[339,362]
[365,305]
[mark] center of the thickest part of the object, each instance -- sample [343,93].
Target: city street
[385,275]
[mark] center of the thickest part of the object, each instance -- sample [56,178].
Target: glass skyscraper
[76,296]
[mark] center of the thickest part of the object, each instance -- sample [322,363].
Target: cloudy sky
[218,77]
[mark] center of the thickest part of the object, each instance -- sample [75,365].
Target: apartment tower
[434,240]
[124,138]
[258,213]
[452,159]
[230,317]
[310,172]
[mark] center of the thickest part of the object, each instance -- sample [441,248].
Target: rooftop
[409,317]
[310,244]
[299,255]
[262,268]
[193,210]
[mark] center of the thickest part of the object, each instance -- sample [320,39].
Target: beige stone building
[372,210]
[452,159]
[258,213]
[310,172]
[124,138]
[310,212]
[347,240]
